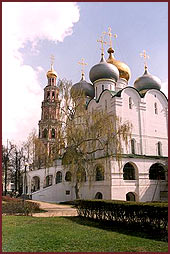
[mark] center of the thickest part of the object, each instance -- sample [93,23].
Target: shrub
[18,206]
[146,215]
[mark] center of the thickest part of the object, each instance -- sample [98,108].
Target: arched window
[99,173]
[45,133]
[159,147]
[156,108]
[128,172]
[133,146]
[81,175]
[59,177]
[68,176]
[130,103]
[48,180]
[157,172]
[130,196]
[53,133]
[35,184]
[98,195]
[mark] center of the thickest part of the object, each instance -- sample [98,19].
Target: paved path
[54,210]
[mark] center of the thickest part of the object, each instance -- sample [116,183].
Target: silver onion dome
[147,81]
[103,70]
[83,86]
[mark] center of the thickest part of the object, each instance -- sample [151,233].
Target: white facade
[145,157]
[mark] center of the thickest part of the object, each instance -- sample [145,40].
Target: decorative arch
[131,196]
[99,173]
[157,172]
[99,195]
[68,176]
[129,171]
[58,177]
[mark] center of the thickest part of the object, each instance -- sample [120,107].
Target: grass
[72,234]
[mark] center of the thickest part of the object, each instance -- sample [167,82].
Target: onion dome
[103,70]
[83,86]
[124,70]
[51,73]
[147,81]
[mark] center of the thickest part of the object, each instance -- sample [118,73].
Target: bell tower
[49,109]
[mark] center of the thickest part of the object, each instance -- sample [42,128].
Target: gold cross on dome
[52,58]
[145,56]
[109,33]
[82,63]
[102,42]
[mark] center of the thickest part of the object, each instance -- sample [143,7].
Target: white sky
[33,31]
[21,92]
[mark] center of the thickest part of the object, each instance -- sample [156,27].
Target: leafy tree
[84,135]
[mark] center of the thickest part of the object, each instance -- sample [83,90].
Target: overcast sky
[31,32]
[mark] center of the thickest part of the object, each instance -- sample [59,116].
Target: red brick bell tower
[50,110]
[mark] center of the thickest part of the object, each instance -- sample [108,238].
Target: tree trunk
[6,175]
[77,191]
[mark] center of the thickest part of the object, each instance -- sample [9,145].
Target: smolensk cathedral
[143,174]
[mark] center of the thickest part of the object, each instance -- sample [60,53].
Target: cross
[52,58]
[109,33]
[145,56]
[82,64]
[102,42]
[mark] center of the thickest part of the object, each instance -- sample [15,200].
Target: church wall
[156,123]
[144,188]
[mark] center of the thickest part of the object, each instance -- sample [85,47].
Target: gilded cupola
[52,73]
[124,70]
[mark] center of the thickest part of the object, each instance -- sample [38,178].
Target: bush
[18,206]
[146,215]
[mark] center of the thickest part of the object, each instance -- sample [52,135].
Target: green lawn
[71,234]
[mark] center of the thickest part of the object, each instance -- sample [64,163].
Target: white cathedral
[143,173]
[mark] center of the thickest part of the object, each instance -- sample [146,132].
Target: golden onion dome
[51,73]
[124,70]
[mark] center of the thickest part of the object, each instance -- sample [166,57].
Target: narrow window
[133,146]
[102,87]
[99,174]
[156,109]
[45,133]
[130,103]
[159,148]
[53,133]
